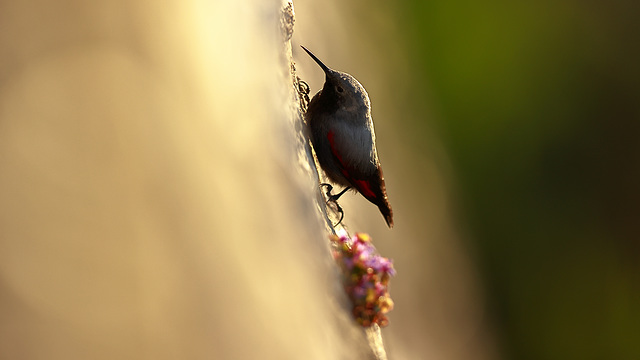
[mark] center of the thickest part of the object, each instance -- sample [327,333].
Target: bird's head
[342,89]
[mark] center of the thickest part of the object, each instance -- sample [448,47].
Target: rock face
[158,199]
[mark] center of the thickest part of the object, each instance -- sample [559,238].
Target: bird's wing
[357,162]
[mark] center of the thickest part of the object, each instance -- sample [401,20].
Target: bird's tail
[385,209]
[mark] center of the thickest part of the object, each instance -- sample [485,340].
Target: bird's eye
[339,89]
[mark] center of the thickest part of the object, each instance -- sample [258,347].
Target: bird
[343,138]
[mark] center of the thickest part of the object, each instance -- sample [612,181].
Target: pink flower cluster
[366,277]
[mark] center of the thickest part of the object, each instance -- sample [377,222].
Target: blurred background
[153,205]
[509,133]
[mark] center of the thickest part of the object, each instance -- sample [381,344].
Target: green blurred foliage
[538,104]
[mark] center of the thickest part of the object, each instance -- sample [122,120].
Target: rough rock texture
[157,196]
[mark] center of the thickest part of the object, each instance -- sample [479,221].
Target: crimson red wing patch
[364,188]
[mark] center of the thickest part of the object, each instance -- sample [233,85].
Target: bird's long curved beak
[322,65]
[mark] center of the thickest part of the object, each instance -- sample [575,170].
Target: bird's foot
[337,208]
[329,188]
[333,198]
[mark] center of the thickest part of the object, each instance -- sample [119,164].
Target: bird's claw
[329,188]
[338,208]
[333,198]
